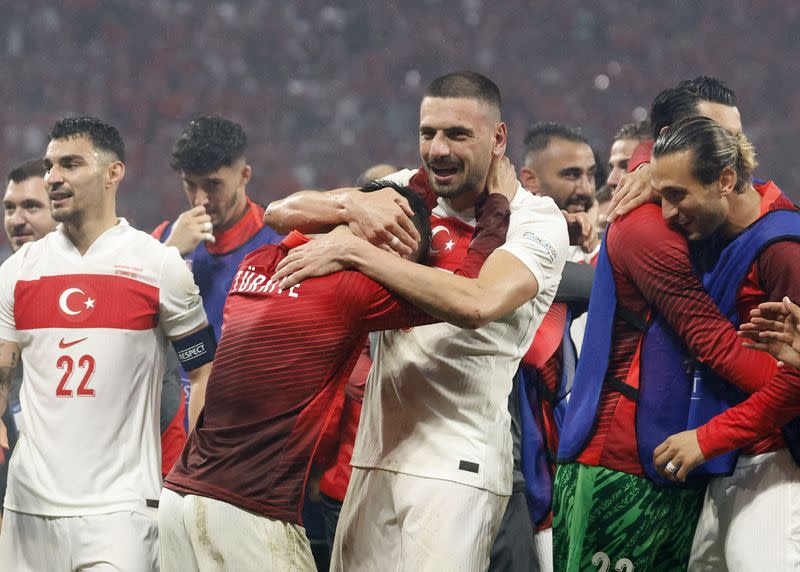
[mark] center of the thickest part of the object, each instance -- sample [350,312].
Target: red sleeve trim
[641,155]
[159,230]
[759,415]
[295,239]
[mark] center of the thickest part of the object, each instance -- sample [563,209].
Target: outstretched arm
[534,253]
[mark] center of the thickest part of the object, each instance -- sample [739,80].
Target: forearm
[465,302]
[9,356]
[759,415]
[308,211]
[197,393]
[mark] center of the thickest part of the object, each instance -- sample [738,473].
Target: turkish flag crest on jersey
[450,240]
[85,301]
[77,302]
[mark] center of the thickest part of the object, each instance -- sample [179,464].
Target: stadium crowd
[548,344]
[327,89]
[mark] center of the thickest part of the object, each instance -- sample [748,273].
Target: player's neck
[744,210]
[241,211]
[462,202]
[83,233]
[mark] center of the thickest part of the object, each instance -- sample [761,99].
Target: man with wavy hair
[750,238]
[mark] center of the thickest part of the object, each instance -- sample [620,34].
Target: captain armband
[197,349]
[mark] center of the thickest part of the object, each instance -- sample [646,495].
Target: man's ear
[115,173]
[727,181]
[247,172]
[529,180]
[500,140]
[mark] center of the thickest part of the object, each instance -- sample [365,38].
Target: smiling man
[26,205]
[646,294]
[88,309]
[749,236]
[432,459]
[560,164]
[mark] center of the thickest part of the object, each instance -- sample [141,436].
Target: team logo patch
[541,244]
[77,303]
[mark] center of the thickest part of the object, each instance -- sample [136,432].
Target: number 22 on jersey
[85,365]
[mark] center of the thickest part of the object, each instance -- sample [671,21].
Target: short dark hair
[712,149]
[102,135]
[640,131]
[422,213]
[207,144]
[541,133]
[603,194]
[680,102]
[27,170]
[467,84]
[600,170]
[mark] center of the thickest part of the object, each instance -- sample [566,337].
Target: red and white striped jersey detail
[92,330]
[85,301]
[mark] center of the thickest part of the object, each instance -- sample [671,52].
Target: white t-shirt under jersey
[92,333]
[436,403]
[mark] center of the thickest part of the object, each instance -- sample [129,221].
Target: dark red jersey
[653,272]
[280,370]
[283,360]
[775,274]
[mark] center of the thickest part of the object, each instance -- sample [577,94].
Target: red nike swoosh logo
[64,345]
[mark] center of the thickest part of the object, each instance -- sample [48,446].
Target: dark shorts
[513,549]
[609,520]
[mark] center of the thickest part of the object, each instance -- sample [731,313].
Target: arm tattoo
[8,367]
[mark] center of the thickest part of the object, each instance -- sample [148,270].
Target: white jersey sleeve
[538,237]
[9,272]
[401,177]
[181,308]
[7,280]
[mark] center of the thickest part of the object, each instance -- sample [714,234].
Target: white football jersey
[436,404]
[92,331]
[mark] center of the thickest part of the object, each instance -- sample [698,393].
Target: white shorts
[751,520]
[392,521]
[123,540]
[200,533]
[543,546]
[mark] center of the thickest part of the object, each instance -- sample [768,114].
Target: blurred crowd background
[325,88]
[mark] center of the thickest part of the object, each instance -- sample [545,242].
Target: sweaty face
[222,192]
[456,140]
[621,151]
[75,178]
[726,115]
[697,210]
[27,212]
[565,172]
